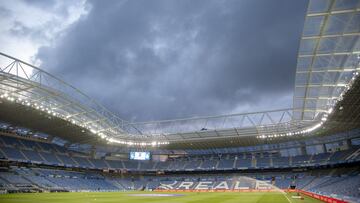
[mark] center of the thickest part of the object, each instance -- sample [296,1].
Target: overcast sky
[163,59]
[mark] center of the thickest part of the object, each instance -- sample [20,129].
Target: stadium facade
[56,138]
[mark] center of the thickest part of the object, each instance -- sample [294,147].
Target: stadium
[57,144]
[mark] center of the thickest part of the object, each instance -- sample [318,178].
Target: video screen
[140,155]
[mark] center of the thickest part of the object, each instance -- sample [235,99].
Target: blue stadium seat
[300,160]
[29,144]
[99,163]
[65,159]
[243,163]
[226,163]
[280,162]
[10,140]
[209,164]
[32,155]
[83,162]
[132,165]
[50,158]
[12,153]
[147,165]
[263,162]
[192,165]
[115,164]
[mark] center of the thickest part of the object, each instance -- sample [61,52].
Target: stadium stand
[226,163]
[84,162]
[45,155]
[209,164]
[32,155]
[12,153]
[279,162]
[65,159]
[243,163]
[115,164]
[51,155]
[99,163]
[300,160]
[262,162]
[134,165]
[192,164]
[50,158]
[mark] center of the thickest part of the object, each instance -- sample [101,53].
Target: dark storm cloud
[168,59]
[4,12]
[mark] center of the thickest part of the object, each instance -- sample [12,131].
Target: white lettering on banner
[237,186]
[222,185]
[218,185]
[203,185]
[185,185]
[167,186]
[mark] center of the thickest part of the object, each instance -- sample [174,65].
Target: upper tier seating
[177,164]
[131,164]
[99,163]
[263,162]
[50,158]
[147,165]
[84,162]
[163,165]
[66,160]
[32,155]
[115,164]
[243,163]
[209,164]
[51,154]
[300,160]
[279,162]
[10,141]
[30,144]
[192,165]
[226,164]
[320,158]
[12,153]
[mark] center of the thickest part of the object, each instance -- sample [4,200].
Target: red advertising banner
[322,197]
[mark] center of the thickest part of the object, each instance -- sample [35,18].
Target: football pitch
[140,197]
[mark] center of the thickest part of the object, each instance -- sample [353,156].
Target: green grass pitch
[188,197]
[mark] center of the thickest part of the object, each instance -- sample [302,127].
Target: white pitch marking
[287,198]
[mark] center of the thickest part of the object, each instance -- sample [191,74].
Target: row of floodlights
[301,132]
[323,118]
[51,111]
[131,143]
[27,103]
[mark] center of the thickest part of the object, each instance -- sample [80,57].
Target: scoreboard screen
[140,155]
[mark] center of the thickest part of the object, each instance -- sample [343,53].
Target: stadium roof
[328,55]
[328,64]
